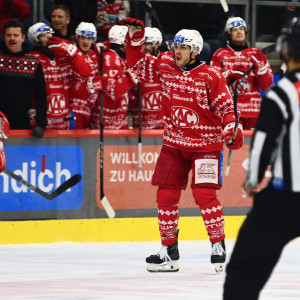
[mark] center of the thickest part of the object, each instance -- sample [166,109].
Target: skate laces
[163,253]
[217,249]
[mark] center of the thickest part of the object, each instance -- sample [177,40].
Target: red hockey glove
[96,84]
[62,47]
[237,73]
[237,141]
[259,61]
[132,77]
[136,31]
[4,126]
[104,44]
[2,158]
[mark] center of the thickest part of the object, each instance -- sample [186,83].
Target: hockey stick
[61,120]
[224,5]
[140,127]
[235,94]
[106,205]
[49,196]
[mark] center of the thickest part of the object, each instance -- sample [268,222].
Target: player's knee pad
[167,197]
[202,196]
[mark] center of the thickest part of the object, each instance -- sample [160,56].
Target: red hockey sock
[212,212]
[168,215]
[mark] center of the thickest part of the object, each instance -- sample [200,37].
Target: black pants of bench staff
[273,221]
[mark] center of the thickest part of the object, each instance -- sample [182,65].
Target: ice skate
[218,255]
[166,260]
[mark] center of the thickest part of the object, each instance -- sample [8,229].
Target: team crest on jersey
[184,117]
[57,104]
[152,101]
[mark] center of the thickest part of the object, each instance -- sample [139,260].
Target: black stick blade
[66,185]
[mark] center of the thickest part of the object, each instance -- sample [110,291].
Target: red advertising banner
[128,187]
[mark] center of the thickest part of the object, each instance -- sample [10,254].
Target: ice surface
[78,271]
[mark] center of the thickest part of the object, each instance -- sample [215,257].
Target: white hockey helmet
[117,34]
[86,29]
[153,35]
[191,38]
[36,30]
[234,22]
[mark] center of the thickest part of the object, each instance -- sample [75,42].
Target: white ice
[78,271]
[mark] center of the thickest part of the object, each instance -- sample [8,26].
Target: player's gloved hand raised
[62,47]
[105,46]
[4,126]
[136,31]
[96,84]
[259,61]
[232,141]
[233,75]
[38,132]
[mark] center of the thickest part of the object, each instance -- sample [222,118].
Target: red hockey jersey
[151,94]
[82,100]
[57,74]
[249,98]
[116,99]
[196,104]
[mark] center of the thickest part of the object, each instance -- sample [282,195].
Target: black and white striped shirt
[276,140]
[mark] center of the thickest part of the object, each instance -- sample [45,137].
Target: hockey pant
[168,214]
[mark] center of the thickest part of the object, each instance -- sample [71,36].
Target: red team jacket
[249,98]
[196,104]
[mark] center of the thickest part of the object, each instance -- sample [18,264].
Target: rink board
[78,214]
[105,230]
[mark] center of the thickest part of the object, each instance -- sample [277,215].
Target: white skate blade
[219,267]
[170,266]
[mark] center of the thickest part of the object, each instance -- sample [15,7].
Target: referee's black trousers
[273,221]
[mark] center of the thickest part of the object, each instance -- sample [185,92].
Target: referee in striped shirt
[275,217]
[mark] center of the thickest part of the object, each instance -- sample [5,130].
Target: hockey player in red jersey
[234,61]
[151,91]
[118,82]
[197,105]
[58,57]
[4,129]
[84,90]
[153,40]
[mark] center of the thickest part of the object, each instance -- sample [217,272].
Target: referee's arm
[264,141]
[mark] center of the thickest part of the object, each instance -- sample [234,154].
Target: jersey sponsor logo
[168,76]
[199,83]
[152,101]
[184,117]
[181,98]
[61,162]
[57,104]
[206,171]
